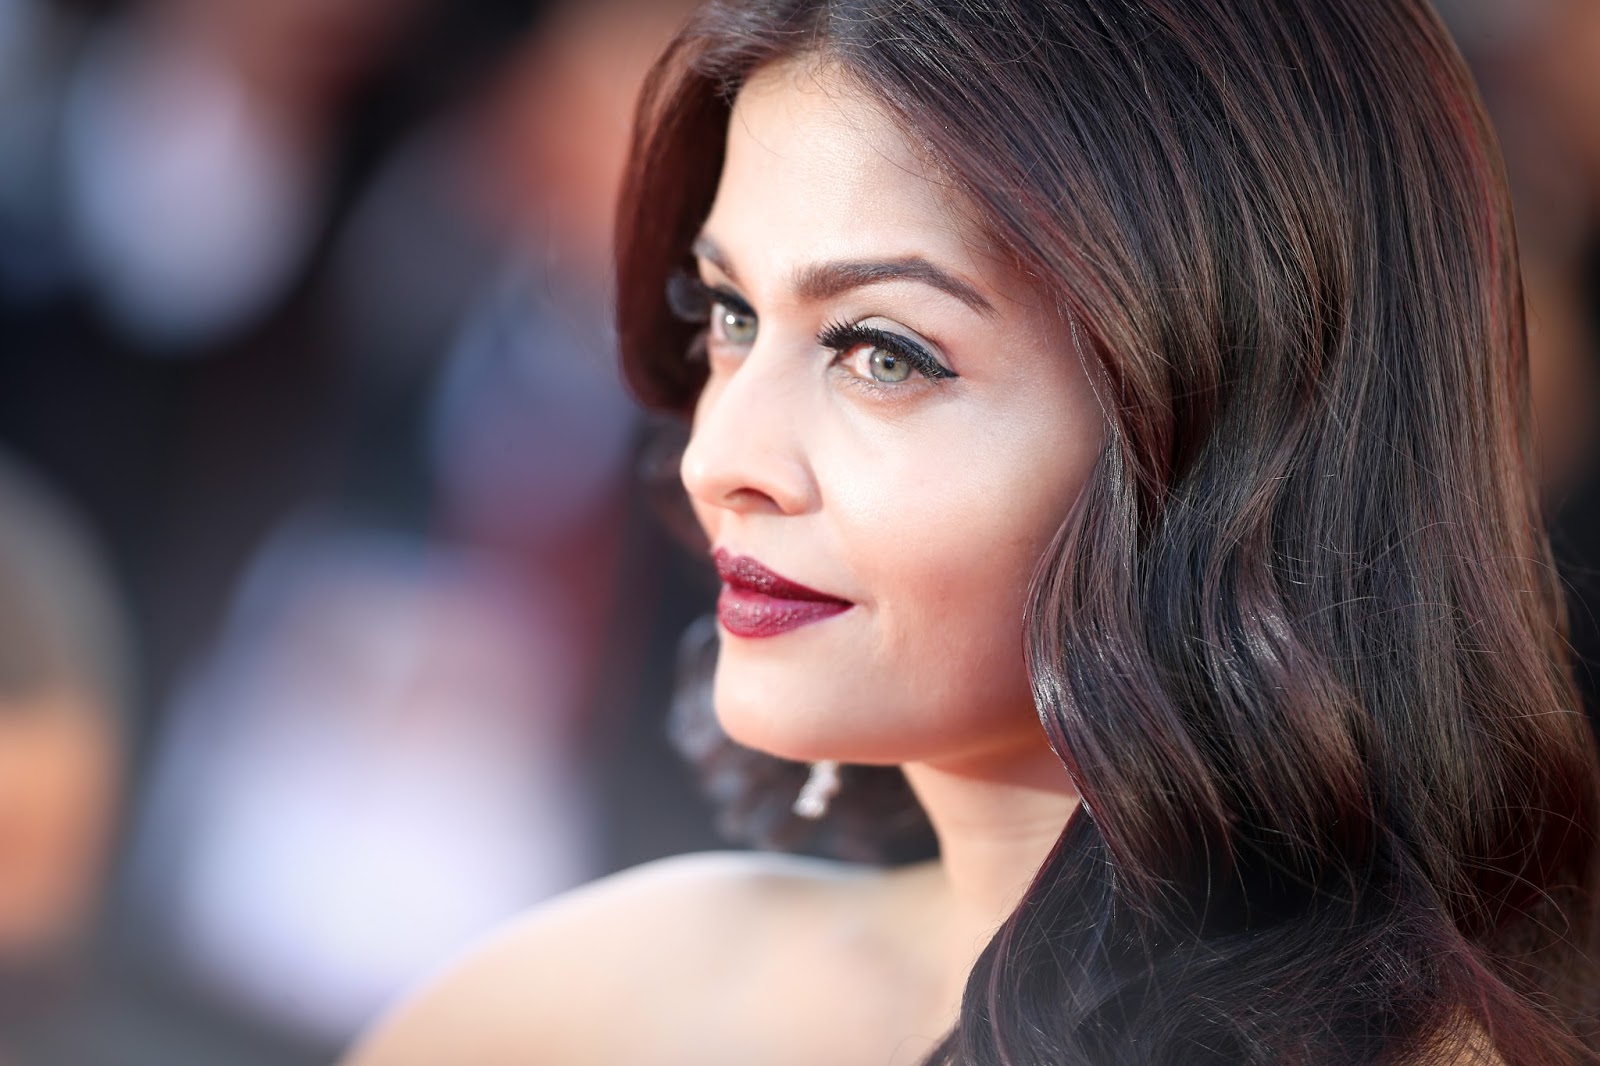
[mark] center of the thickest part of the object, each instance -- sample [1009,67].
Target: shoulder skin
[655,965]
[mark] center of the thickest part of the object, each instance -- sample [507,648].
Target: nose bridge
[745,449]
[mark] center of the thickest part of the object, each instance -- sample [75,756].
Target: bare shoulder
[609,969]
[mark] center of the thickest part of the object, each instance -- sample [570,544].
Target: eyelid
[731,300]
[842,337]
[690,298]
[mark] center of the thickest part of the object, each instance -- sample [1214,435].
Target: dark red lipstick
[756,602]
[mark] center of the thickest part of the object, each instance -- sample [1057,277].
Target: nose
[746,453]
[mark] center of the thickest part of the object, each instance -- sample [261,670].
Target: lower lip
[752,614]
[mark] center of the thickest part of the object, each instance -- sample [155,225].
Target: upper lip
[743,572]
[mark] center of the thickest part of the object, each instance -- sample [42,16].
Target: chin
[815,724]
[805,725]
[767,723]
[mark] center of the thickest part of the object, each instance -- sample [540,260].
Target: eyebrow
[823,281]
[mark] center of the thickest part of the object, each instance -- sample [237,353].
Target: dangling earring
[820,787]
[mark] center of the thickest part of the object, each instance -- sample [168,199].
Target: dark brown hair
[1299,642]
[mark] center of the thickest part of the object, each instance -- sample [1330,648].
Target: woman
[1114,416]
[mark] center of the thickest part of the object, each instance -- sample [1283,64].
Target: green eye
[734,326]
[888,367]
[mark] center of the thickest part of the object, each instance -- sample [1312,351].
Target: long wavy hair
[1299,643]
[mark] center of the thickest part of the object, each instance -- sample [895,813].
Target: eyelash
[843,337]
[691,300]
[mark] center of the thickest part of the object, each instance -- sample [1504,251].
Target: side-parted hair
[1299,643]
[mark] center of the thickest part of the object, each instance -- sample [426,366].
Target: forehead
[815,167]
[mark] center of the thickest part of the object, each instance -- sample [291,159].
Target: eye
[734,325]
[727,318]
[887,367]
[881,357]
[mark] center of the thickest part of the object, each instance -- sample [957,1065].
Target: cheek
[931,664]
[946,548]
[939,523]
[955,522]
[954,586]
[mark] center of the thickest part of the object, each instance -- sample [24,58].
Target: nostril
[754,500]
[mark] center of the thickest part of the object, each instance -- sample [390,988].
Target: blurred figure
[1525,57]
[1563,72]
[391,747]
[474,294]
[367,774]
[200,150]
[1536,62]
[36,45]
[63,694]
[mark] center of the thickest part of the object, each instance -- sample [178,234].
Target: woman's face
[895,419]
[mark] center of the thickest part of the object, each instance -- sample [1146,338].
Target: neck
[996,819]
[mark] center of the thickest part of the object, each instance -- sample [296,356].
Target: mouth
[756,602]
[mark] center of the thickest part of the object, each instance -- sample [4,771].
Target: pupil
[887,366]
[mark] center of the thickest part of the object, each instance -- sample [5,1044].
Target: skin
[926,504]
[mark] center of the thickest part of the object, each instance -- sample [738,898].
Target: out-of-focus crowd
[334,626]
[336,622]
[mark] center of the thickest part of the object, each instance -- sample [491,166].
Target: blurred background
[336,616]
